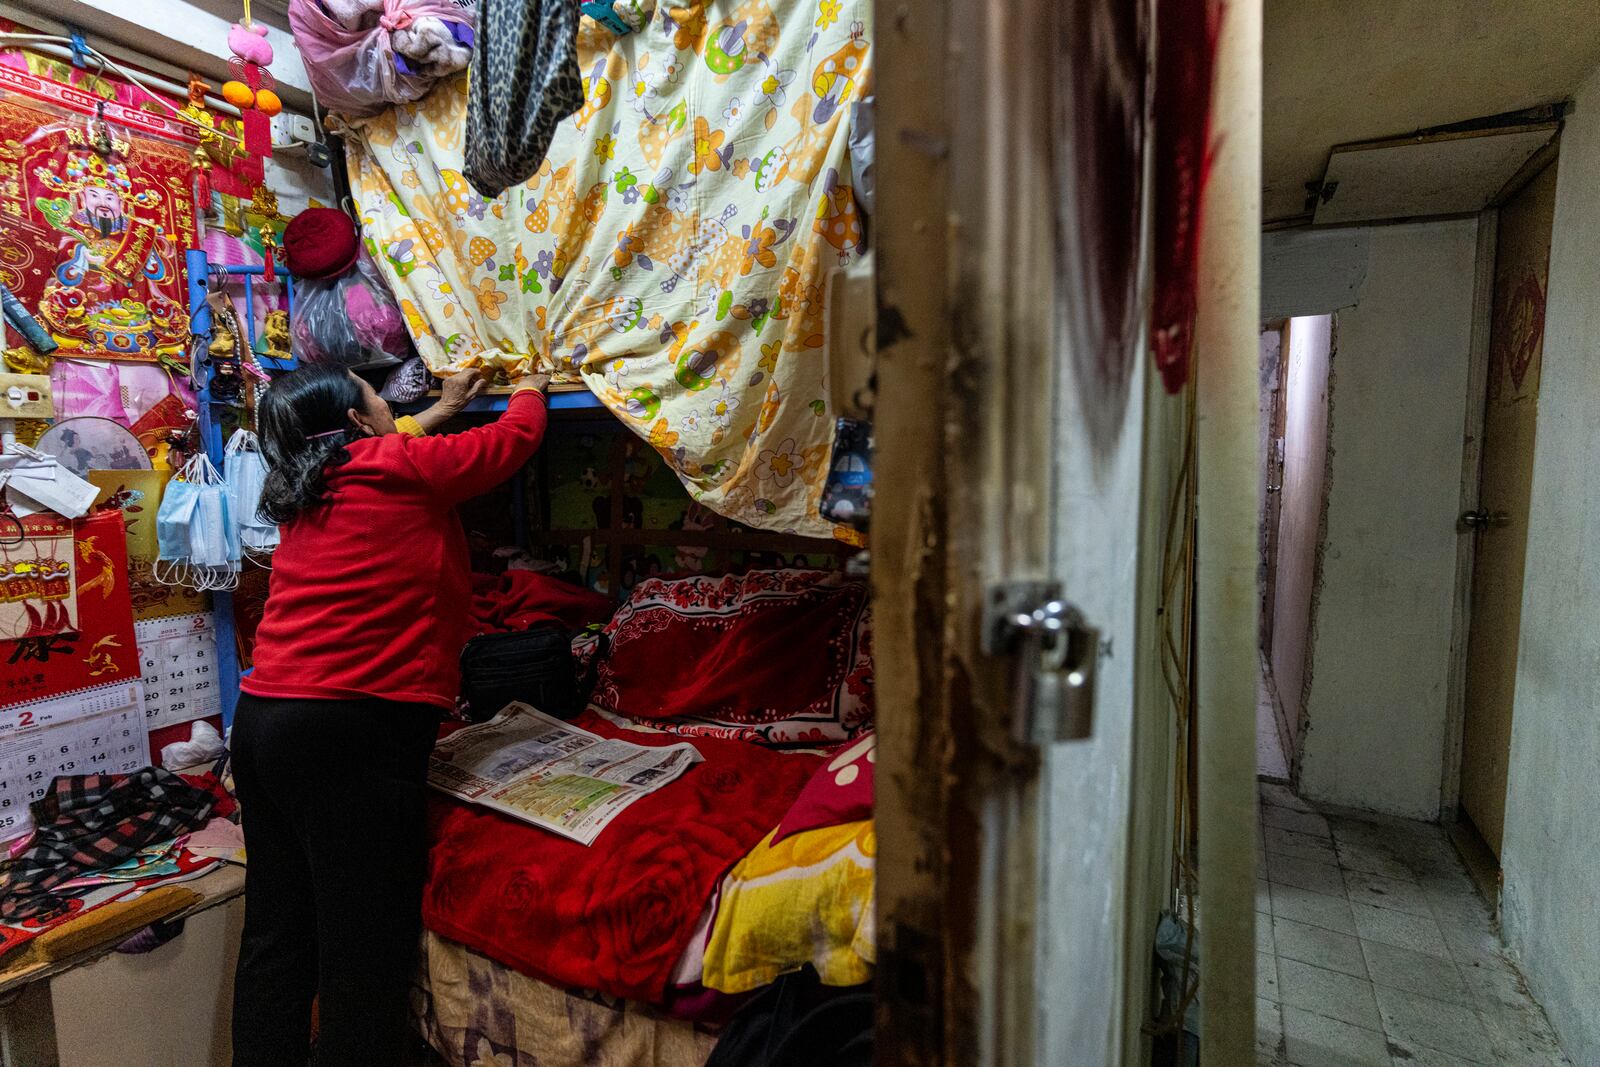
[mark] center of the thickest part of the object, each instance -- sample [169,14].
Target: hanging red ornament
[252,55]
[202,182]
[200,168]
[269,255]
[264,202]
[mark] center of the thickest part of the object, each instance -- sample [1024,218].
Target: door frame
[1471,478]
[965,357]
[1272,504]
[958,423]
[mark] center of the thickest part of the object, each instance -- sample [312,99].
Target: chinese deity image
[113,257]
[95,226]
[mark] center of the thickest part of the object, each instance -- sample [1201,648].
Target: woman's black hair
[296,408]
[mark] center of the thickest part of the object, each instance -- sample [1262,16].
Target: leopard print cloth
[524,81]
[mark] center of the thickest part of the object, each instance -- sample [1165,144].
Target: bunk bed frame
[199,272]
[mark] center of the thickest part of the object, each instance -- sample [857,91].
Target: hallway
[1374,949]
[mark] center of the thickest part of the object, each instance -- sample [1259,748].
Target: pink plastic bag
[350,321]
[354,70]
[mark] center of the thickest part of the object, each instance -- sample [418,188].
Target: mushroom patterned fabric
[673,248]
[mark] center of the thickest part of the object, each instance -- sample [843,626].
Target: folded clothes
[221,839]
[520,600]
[91,822]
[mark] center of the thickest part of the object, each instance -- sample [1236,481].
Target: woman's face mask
[374,415]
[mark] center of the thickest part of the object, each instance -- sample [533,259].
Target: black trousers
[332,796]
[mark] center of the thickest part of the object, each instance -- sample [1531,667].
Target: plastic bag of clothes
[350,321]
[363,55]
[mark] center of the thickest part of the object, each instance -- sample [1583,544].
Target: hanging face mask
[173,519]
[196,535]
[245,472]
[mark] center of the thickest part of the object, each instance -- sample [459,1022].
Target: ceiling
[1357,70]
[272,12]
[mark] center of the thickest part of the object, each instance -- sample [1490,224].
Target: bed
[475,1011]
[754,864]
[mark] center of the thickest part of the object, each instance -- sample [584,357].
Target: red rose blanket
[615,916]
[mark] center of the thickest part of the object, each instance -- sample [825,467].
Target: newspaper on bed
[550,773]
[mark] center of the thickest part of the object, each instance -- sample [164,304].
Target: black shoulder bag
[534,666]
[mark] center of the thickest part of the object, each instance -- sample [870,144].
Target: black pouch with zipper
[534,666]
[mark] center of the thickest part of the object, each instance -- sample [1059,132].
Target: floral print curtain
[672,250]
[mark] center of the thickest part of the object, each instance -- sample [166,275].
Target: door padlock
[1056,652]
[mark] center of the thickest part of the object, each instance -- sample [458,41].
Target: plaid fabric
[90,822]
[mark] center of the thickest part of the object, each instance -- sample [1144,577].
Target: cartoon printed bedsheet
[673,248]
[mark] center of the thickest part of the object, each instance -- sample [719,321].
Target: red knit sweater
[370,592]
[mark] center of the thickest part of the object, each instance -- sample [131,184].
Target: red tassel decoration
[257,127]
[202,183]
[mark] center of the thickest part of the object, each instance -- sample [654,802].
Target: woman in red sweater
[354,661]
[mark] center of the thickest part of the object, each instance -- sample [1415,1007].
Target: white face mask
[195,530]
[245,472]
[212,541]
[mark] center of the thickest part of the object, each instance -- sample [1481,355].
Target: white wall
[186,35]
[1551,854]
[1381,621]
[1305,460]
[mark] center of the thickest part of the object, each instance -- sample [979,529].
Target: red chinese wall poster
[101,648]
[94,220]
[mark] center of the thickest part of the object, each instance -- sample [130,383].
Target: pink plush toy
[250,44]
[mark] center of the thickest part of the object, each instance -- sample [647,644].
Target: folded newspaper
[555,775]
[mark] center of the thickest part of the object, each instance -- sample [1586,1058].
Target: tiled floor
[1374,950]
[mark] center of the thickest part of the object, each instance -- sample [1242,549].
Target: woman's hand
[459,390]
[535,380]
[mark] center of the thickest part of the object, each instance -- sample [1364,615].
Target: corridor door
[1521,270]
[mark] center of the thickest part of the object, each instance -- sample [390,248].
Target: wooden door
[980,428]
[1522,258]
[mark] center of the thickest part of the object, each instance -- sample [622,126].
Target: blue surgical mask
[196,535]
[245,474]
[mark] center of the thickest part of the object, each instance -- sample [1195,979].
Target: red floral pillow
[840,791]
[782,657]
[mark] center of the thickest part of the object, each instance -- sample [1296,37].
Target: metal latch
[1481,519]
[1056,652]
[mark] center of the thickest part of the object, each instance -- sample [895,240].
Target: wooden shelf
[101,930]
[749,540]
